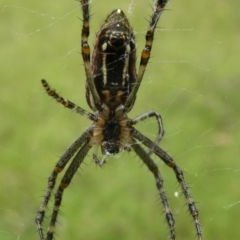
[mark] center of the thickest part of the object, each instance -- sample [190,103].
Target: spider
[111,87]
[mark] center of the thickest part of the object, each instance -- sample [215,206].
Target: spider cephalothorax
[111,88]
[111,130]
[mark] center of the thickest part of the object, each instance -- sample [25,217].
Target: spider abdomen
[113,61]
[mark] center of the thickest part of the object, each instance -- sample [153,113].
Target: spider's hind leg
[86,54]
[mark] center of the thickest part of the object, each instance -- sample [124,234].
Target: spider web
[192,80]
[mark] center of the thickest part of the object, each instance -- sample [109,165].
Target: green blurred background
[192,80]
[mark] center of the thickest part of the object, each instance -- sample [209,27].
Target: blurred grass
[192,80]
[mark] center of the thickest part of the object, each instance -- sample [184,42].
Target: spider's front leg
[179,175]
[159,182]
[60,165]
[70,172]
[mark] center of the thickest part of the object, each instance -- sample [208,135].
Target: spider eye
[110,148]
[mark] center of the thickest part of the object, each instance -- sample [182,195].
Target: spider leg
[86,53]
[150,114]
[179,175]
[52,178]
[159,182]
[160,4]
[99,161]
[70,172]
[66,103]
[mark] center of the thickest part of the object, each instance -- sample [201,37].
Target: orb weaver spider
[112,83]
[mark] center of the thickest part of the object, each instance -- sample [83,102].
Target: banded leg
[159,182]
[86,53]
[52,179]
[160,4]
[66,103]
[179,175]
[150,114]
[70,172]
